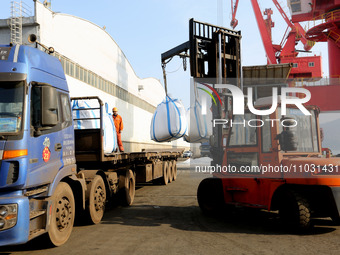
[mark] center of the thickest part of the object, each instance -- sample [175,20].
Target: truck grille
[13,173]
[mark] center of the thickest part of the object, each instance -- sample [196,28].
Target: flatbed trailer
[119,171]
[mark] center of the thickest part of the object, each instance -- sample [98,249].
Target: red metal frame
[318,8]
[266,38]
[234,21]
[284,52]
[328,30]
[296,27]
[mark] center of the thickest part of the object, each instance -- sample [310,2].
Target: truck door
[46,139]
[68,155]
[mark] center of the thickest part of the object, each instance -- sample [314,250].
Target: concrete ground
[167,220]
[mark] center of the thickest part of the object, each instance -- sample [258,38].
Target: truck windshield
[306,130]
[11,106]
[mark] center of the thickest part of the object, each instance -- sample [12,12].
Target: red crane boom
[306,67]
[234,21]
[266,38]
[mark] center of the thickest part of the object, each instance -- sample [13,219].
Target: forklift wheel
[210,196]
[295,211]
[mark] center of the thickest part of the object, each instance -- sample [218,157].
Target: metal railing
[326,81]
[18,10]
[323,18]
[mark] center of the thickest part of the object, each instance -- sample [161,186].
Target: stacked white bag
[81,115]
[169,121]
[110,135]
[199,125]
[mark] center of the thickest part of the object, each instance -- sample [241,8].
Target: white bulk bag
[169,121]
[82,114]
[110,135]
[80,122]
[198,127]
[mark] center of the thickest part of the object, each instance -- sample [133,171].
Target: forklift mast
[214,53]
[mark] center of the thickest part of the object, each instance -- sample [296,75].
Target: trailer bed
[88,148]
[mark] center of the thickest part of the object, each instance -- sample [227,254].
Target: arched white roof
[93,48]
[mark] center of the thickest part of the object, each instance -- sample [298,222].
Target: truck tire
[170,171]
[62,216]
[165,178]
[174,170]
[96,200]
[127,184]
[210,196]
[295,211]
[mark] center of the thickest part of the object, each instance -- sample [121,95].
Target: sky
[144,29]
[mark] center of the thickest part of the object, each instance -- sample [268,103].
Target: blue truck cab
[38,179]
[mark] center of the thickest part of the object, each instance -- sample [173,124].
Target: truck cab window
[11,106]
[36,107]
[66,110]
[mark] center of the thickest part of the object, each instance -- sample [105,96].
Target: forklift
[276,164]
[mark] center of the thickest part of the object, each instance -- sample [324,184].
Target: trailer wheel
[62,216]
[97,198]
[170,171]
[295,211]
[210,196]
[174,170]
[127,184]
[165,178]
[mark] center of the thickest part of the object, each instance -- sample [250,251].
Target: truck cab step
[37,213]
[35,233]
[37,191]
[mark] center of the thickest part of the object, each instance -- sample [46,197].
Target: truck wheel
[295,211]
[62,216]
[127,184]
[210,196]
[174,170]
[97,198]
[170,171]
[165,178]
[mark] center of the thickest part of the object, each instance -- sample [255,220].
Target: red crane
[234,21]
[325,19]
[285,52]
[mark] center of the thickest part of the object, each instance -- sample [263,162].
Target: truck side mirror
[288,139]
[49,106]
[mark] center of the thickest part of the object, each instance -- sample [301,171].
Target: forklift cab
[256,142]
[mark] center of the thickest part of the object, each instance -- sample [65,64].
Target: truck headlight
[8,216]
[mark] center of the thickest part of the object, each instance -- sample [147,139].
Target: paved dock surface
[167,220]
